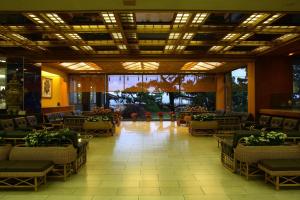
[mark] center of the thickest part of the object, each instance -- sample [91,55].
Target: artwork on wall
[46,87]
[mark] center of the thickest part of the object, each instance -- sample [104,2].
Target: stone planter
[148,118]
[4,151]
[252,154]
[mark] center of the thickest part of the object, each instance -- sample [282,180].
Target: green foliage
[106,117]
[265,139]
[203,117]
[51,138]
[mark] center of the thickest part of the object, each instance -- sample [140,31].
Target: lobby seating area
[150,100]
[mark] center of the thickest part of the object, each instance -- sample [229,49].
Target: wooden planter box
[4,151]
[203,127]
[99,128]
[63,157]
[247,157]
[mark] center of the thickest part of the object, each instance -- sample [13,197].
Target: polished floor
[154,161]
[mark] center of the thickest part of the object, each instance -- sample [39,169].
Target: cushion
[24,166]
[281,164]
[16,134]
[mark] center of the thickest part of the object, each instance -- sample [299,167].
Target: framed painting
[46,87]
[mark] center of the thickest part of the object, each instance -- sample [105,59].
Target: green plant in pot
[203,117]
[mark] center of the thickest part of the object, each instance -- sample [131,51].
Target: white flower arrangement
[269,138]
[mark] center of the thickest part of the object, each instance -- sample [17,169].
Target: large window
[141,93]
[296,85]
[239,90]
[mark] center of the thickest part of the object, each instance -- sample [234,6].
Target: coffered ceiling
[149,36]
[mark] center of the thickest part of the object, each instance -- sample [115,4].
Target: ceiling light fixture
[35,18]
[169,47]
[199,19]
[19,36]
[122,47]
[287,37]
[59,36]
[201,65]
[75,36]
[180,47]
[216,48]
[174,36]
[141,65]
[117,36]
[80,66]
[109,17]
[188,36]
[254,19]
[272,18]
[55,18]
[231,36]
[181,18]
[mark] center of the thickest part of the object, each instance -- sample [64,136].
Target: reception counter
[291,113]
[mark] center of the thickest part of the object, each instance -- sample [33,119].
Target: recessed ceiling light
[216,48]
[261,49]
[169,47]
[174,36]
[87,48]
[254,19]
[181,18]
[272,18]
[109,17]
[19,36]
[55,18]
[180,47]
[188,36]
[199,18]
[117,36]
[122,47]
[80,66]
[75,36]
[59,36]
[201,65]
[291,54]
[231,36]
[287,37]
[141,65]
[35,18]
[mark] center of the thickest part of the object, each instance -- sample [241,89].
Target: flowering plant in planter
[160,114]
[148,114]
[265,139]
[203,117]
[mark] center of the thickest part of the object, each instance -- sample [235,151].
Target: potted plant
[148,116]
[172,116]
[134,116]
[160,115]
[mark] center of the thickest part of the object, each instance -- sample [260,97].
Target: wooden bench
[281,172]
[23,174]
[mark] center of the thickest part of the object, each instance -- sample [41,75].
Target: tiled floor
[154,161]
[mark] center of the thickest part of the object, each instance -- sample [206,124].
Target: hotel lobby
[150,100]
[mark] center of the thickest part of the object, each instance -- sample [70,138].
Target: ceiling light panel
[261,49]
[117,36]
[169,47]
[87,48]
[287,37]
[181,18]
[174,36]
[35,18]
[109,17]
[272,18]
[74,36]
[199,19]
[122,47]
[141,65]
[245,36]
[180,47]
[188,36]
[201,65]
[74,48]
[55,18]
[20,37]
[216,48]
[254,19]
[231,36]
[80,66]
[127,17]
[59,36]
